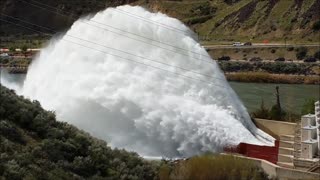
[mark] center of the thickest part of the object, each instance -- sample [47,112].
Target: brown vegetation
[261,77]
[289,53]
[211,167]
[214,21]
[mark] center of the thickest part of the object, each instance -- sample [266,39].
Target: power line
[181,75]
[104,52]
[178,67]
[119,30]
[129,14]
[150,21]
[120,51]
[138,35]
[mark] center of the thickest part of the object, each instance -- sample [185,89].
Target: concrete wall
[290,174]
[305,164]
[317,113]
[275,128]
[274,171]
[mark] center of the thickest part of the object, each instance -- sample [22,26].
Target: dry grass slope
[247,20]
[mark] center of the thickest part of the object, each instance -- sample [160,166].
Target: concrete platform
[286,137]
[286,151]
[285,158]
[286,144]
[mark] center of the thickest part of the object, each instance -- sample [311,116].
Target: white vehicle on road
[237,44]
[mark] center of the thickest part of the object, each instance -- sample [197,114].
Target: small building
[308,120]
[309,135]
[309,149]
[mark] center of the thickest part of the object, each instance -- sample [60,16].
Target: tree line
[270,67]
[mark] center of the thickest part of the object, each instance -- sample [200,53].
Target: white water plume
[134,106]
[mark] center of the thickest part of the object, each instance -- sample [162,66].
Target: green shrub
[310,59]
[275,68]
[10,132]
[308,107]
[4,60]
[301,53]
[36,146]
[12,49]
[24,48]
[263,112]
[203,9]
[316,26]
[290,48]
[231,1]
[277,113]
[198,19]
[317,55]
[224,58]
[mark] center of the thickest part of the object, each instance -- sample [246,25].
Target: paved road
[258,45]
[254,45]
[19,50]
[273,61]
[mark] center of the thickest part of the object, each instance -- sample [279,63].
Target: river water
[292,96]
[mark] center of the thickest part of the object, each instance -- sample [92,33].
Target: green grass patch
[306,5]
[222,13]
[280,8]
[257,15]
[181,9]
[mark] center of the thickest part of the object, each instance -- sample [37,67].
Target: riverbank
[262,77]
[251,94]
[269,53]
[248,77]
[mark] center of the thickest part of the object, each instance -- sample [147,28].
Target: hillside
[35,146]
[214,21]
[38,13]
[248,20]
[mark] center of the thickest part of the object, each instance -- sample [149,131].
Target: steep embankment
[248,20]
[214,21]
[43,13]
[35,146]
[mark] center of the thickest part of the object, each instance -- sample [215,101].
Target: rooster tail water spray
[99,77]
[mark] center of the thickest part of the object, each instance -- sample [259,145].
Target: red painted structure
[269,153]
